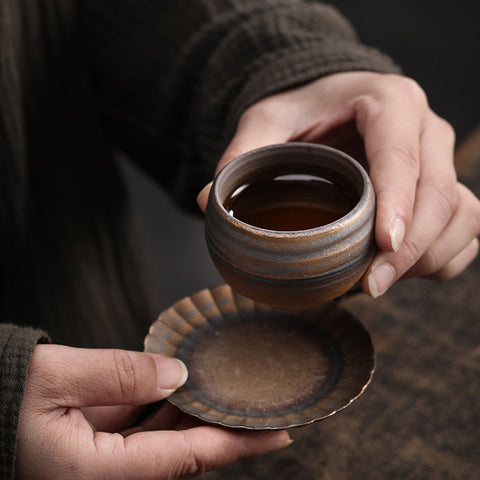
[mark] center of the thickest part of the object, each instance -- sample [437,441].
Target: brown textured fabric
[420,417]
[16,347]
[68,253]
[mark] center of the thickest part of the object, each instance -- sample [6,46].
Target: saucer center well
[256,364]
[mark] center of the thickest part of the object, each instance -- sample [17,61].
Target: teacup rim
[339,223]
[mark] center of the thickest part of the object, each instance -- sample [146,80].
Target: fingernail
[397,233]
[171,372]
[282,442]
[380,279]
[204,190]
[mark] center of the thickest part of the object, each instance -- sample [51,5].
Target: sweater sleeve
[172,78]
[16,348]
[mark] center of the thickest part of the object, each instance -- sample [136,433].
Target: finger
[392,147]
[266,123]
[77,377]
[347,139]
[456,237]
[172,418]
[458,264]
[253,131]
[202,197]
[303,114]
[435,203]
[173,454]
[166,417]
[256,128]
[111,418]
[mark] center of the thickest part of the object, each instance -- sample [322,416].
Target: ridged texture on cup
[292,269]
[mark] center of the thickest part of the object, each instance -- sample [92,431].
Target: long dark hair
[70,261]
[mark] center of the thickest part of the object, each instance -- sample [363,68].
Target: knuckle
[442,275]
[445,195]
[191,463]
[458,264]
[400,86]
[430,262]
[475,246]
[414,90]
[126,371]
[411,89]
[473,210]
[108,444]
[446,130]
[404,154]
[413,250]
[262,110]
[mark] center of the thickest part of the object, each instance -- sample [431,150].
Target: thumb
[258,127]
[76,377]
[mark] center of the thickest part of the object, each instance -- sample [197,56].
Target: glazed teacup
[299,267]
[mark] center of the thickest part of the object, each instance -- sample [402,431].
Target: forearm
[16,347]
[173,78]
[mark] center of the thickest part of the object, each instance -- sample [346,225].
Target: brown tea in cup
[290,202]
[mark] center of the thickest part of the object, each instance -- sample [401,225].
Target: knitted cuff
[16,348]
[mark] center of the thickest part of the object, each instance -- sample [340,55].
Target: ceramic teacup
[297,268]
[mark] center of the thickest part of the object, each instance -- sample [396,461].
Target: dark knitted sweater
[166,83]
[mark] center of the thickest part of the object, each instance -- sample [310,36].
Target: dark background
[436,43]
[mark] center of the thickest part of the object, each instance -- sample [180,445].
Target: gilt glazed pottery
[254,367]
[292,269]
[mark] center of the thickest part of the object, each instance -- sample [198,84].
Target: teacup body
[292,268]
